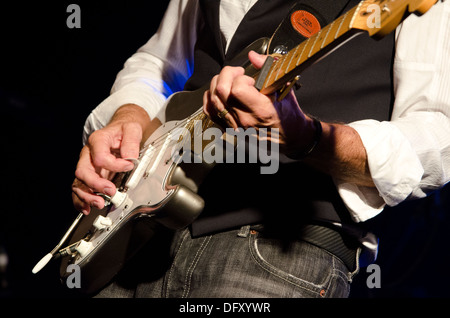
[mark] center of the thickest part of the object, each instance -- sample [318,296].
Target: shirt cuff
[137,93]
[394,166]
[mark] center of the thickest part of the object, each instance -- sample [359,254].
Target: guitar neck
[310,51]
[374,17]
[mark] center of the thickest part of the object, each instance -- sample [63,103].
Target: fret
[288,68]
[281,67]
[358,8]
[317,36]
[304,57]
[306,49]
[269,76]
[347,22]
[304,44]
[275,69]
[274,72]
[329,27]
[340,25]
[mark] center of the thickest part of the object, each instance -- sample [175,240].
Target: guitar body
[167,196]
[161,190]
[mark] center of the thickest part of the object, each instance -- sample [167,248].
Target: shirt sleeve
[158,69]
[409,156]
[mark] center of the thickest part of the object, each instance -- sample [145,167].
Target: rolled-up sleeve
[409,156]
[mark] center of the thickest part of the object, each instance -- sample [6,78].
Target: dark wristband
[314,143]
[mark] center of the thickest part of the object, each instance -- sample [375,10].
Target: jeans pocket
[300,268]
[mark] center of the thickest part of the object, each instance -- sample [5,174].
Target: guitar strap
[305,18]
[262,20]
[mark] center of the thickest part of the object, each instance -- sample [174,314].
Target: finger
[214,102]
[100,145]
[83,198]
[209,108]
[131,142]
[256,59]
[212,109]
[230,119]
[80,205]
[243,91]
[87,174]
[256,110]
[224,82]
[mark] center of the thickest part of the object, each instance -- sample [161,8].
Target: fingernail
[109,191]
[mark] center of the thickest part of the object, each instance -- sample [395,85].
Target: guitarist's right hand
[105,154]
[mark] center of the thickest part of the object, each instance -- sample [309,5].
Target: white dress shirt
[408,157]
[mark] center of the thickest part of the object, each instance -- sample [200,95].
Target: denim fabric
[241,263]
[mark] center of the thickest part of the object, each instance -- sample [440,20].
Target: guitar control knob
[84,248]
[102,223]
[118,198]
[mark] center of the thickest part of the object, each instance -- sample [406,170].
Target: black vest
[353,83]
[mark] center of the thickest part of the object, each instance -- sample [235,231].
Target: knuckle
[98,136]
[237,90]
[228,69]
[221,90]
[99,161]
[93,137]
[79,176]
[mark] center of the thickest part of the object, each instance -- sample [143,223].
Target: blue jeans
[234,264]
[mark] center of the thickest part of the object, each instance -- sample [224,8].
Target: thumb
[131,140]
[257,59]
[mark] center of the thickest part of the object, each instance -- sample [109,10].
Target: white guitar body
[156,190]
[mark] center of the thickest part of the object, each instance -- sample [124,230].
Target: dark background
[53,76]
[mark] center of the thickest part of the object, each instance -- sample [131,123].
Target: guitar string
[189,129]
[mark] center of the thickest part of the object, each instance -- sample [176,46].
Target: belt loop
[351,275]
[244,231]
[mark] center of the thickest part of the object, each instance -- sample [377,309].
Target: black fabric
[262,20]
[324,11]
[353,83]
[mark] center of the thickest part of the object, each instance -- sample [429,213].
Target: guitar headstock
[380,17]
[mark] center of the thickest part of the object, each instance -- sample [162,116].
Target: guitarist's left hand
[340,152]
[247,107]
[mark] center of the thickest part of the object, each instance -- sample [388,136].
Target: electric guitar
[162,190]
